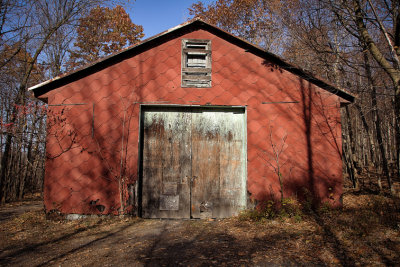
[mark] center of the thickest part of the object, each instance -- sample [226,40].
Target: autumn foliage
[102,32]
[255,20]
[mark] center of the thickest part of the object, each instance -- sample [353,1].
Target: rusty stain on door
[193,162]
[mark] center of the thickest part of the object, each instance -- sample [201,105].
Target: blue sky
[159,15]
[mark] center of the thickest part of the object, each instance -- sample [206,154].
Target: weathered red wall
[84,147]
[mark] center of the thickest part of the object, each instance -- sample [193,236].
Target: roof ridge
[307,75]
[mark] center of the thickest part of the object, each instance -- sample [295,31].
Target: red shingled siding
[84,147]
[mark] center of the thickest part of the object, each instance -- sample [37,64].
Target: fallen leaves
[357,235]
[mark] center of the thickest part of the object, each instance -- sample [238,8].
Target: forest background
[353,44]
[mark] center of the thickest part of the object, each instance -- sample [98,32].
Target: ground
[365,232]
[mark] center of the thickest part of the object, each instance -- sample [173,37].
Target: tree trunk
[397,128]
[377,122]
[349,150]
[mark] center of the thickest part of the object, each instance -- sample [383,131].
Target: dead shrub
[268,210]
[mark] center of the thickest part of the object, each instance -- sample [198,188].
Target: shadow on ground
[365,232]
[207,248]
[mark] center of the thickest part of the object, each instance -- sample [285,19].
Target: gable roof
[172,33]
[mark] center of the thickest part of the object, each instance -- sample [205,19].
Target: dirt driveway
[349,238]
[10,211]
[145,243]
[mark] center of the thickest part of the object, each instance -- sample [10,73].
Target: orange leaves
[102,32]
[254,20]
[14,60]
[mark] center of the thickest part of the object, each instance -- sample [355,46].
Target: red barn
[191,123]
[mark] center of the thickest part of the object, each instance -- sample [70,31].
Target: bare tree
[274,159]
[27,30]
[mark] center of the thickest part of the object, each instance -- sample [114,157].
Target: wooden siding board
[196,70]
[194,50]
[197,77]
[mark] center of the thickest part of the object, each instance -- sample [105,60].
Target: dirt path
[349,237]
[139,243]
[9,211]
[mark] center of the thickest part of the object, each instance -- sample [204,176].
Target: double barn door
[193,162]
